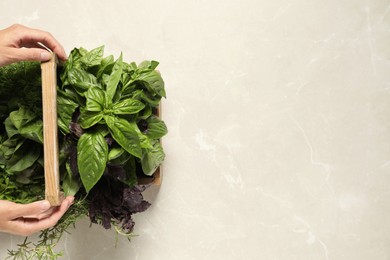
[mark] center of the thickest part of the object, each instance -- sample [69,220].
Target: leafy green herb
[108,136]
[92,151]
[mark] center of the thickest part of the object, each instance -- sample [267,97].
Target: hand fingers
[32,209]
[28,37]
[11,55]
[50,211]
[42,215]
[26,226]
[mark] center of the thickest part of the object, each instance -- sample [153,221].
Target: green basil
[93,58]
[89,119]
[115,153]
[92,152]
[153,82]
[114,79]
[156,128]
[152,158]
[70,184]
[95,99]
[125,135]
[127,107]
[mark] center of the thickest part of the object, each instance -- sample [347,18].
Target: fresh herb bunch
[109,135]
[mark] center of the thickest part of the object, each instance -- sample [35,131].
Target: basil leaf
[65,113]
[145,113]
[153,82]
[70,63]
[121,159]
[95,99]
[92,151]
[131,172]
[140,94]
[88,119]
[70,185]
[71,96]
[93,57]
[156,128]
[148,65]
[105,66]
[76,75]
[81,80]
[145,141]
[66,106]
[152,158]
[114,79]
[115,153]
[127,106]
[125,135]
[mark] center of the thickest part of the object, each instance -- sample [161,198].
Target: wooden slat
[50,131]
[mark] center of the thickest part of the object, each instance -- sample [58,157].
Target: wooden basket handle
[50,131]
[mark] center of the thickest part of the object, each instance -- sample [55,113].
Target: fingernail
[45,56]
[45,205]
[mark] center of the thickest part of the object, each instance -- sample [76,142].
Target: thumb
[27,54]
[32,209]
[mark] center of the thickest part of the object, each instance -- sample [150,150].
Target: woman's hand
[26,219]
[20,43]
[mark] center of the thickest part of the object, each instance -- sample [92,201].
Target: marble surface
[279,120]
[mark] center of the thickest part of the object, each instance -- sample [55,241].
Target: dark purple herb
[142,125]
[76,129]
[113,201]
